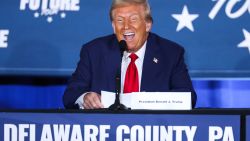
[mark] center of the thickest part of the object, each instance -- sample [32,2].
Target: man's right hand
[92,100]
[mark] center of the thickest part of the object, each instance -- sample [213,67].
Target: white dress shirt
[138,62]
[125,62]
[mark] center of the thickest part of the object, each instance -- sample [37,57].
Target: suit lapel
[111,64]
[151,64]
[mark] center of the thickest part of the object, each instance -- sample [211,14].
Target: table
[131,125]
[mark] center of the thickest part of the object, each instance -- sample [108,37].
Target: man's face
[129,24]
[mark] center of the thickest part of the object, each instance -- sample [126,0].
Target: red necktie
[131,83]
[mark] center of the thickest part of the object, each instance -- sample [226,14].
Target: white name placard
[161,100]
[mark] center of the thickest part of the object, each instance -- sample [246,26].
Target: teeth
[128,34]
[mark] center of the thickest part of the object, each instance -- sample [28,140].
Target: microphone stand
[118,106]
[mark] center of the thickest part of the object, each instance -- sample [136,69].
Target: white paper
[108,98]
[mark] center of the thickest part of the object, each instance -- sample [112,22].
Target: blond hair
[121,3]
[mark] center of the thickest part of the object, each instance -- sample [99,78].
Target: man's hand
[92,100]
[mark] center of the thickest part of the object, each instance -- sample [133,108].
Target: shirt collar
[140,53]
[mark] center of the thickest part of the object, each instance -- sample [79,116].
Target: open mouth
[129,36]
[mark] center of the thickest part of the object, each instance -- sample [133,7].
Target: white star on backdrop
[185,19]
[63,15]
[49,19]
[36,14]
[246,42]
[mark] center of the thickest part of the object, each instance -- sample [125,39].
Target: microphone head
[123,45]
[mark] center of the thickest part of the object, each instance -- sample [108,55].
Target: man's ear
[113,25]
[148,26]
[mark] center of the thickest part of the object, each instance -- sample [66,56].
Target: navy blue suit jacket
[100,59]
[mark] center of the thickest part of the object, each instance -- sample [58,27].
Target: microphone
[117,104]
[123,47]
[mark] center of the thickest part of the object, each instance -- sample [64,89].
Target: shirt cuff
[80,101]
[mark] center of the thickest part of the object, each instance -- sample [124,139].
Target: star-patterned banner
[44,37]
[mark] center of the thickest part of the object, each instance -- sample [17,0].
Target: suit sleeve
[80,81]
[180,79]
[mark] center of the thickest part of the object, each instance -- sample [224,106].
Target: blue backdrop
[42,38]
